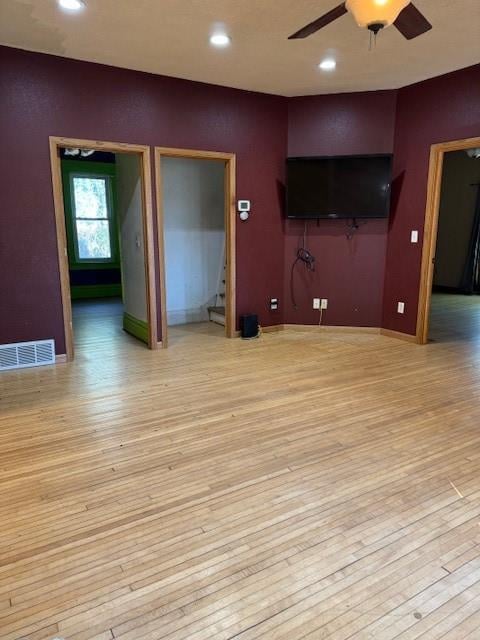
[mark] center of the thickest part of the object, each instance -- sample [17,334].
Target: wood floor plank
[301,485]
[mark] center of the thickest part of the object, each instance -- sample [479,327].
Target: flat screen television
[339,187]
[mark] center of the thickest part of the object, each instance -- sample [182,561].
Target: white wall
[130,223]
[193,192]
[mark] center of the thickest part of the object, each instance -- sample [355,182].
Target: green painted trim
[90,168]
[136,327]
[79,292]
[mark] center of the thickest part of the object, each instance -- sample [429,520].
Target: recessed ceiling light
[328,64]
[220,40]
[71,5]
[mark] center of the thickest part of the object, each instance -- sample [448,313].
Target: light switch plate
[401,307]
[414,237]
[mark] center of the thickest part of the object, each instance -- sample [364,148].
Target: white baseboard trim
[186,316]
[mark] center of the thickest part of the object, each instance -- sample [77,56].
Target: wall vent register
[19,355]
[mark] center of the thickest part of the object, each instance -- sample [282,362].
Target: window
[92,218]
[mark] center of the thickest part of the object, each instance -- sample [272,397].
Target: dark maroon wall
[44,95]
[438,110]
[350,273]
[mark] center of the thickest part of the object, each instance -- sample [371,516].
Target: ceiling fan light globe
[367,12]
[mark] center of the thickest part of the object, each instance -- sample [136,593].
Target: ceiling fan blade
[411,23]
[319,23]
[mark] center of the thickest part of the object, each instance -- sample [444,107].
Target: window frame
[89,169]
[110,217]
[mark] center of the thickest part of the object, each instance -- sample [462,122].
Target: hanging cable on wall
[303,255]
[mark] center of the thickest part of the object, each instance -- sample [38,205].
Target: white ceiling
[170,37]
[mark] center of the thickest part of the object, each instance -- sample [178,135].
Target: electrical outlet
[273,304]
[324,303]
[401,307]
[316,303]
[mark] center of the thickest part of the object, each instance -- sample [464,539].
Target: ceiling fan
[374,15]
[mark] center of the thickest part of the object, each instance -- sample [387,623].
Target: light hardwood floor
[295,486]
[455,318]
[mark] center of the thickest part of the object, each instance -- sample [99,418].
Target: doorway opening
[196,227]
[449,305]
[102,196]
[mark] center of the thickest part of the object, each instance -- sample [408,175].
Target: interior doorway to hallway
[196,226]
[450,275]
[104,230]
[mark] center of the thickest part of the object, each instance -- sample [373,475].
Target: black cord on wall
[303,255]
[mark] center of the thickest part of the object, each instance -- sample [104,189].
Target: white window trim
[111,222]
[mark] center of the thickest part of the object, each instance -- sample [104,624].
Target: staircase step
[219,310]
[217,314]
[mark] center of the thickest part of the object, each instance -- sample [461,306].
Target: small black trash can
[249,326]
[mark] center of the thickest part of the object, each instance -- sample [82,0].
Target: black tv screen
[339,187]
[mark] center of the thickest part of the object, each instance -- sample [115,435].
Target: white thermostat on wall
[243,205]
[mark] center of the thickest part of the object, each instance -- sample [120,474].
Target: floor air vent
[27,354]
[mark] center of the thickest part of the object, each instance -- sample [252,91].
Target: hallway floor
[455,318]
[98,324]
